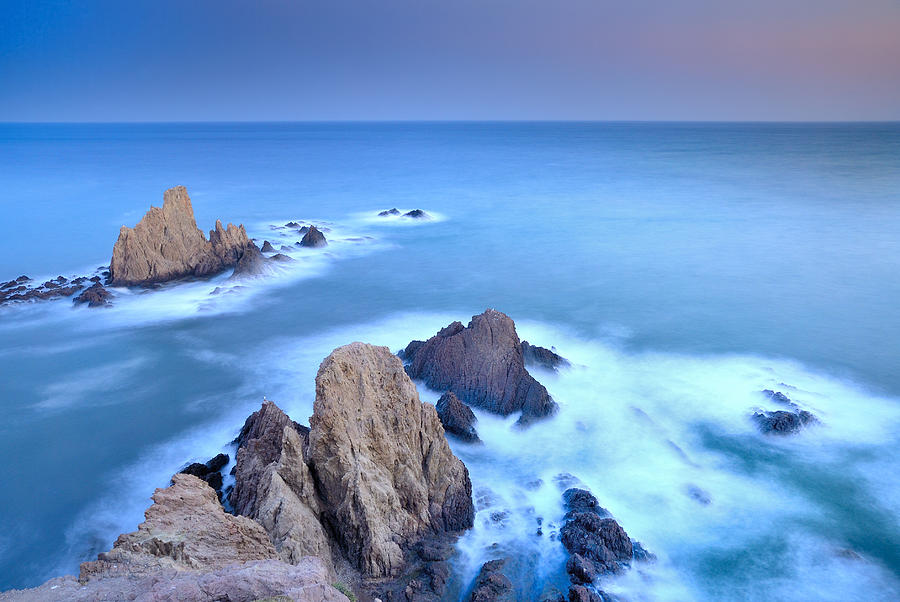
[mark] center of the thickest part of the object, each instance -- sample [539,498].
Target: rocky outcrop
[543,357]
[167,244]
[371,484]
[492,585]
[94,296]
[389,212]
[211,471]
[416,214]
[267,247]
[482,364]
[313,238]
[456,417]
[251,263]
[783,422]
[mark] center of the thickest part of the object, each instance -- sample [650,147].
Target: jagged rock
[781,422]
[313,238]
[580,500]
[388,212]
[281,257]
[492,585]
[590,533]
[18,281]
[167,244]
[386,474]
[251,263]
[483,365]
[209,472]
[95,296]
[580,593]
[778,397]
[186,529]
[457,418]
[540,356]
[417,214]
[285,249]
[292,224]
[267,247]
[307,581]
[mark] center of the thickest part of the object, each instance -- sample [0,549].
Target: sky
[287,60]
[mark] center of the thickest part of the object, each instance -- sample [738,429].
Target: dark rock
[601,540]
[16,282]
[313,238]
[215,481]
[267,247]
[95,296]
[640,553]
[417,214]
[286,248]
[219,462]
[580,593]
[540,356]
[781,422]
[95,279]
[492,585]
[457,418]
[580,500]
[303,230]
[281,257]
[483,365]
[61,279]
[699,495]
[581,570]
[778,397]
[197,469]
[388,212]
[292,224]
[564,481]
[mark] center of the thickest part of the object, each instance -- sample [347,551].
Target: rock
[313,238]
[95,279]
[540,356]
[303,230]
[281,257]
[286,248]
[251,263]
[167,244]
[95,296]
[292,224]
[483,365]
[781,422]
[457,418]
[492,585]
[209,472]
[388,212]
[580,593]
[267,247]
[375,446]
[580,500]
[186,529]
[20,280]
[698,494]
[417,214]
[778,397]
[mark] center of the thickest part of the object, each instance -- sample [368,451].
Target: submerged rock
[313,238]
[540,356]
[482,364]
[781,422]
[457,418]
[388,212]
[167,244]
[417,214]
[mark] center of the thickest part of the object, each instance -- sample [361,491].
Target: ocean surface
[681,268]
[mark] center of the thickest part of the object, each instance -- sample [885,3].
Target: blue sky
[175,60]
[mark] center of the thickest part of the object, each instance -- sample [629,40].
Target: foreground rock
[167,244]
[417,214]
[783,422]
[94,296]
[492,585]
[210,472]
[313,238]
[482,364]
[456,417]
[372,484]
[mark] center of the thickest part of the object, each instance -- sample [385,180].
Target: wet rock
[482,364]
[95,296]
[492,585]
[580,593]
[456,417]
[778,397]
[540,356]
[641,554]
[313,238]
[388,212]
[303,230]
[167,244]
[281,258]
[417,214]
[781,422]
[699,495]
[12,283]
[580,500]
[251,262]
[95,279]
[267,247]
[286,248]
[292,224]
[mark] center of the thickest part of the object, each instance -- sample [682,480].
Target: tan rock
[167,244]
[384,469]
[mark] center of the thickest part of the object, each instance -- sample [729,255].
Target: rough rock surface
[313,238]
[95,296]
[457,418]
[267,247]
[167,244]
[417,214]
[783,422]
[492,585]
[483,365]
[543,357]
[307,581]
[209,472]
[388,212]
[251,263]
[384,469]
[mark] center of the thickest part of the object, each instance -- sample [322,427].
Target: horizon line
[460,121]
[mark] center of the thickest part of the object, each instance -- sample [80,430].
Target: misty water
[681,268]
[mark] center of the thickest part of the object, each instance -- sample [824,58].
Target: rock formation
[417,214]
[372,483]
[267,247]
[492,585]
[457,418]
[389,212]
[313,238]
[782,422]
[211,472]
[540,356]
[167,244]
[95,296]
[483,364]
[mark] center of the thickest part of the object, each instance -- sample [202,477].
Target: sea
[682,268]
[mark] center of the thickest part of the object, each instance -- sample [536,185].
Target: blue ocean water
[681,267]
